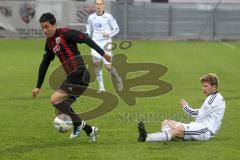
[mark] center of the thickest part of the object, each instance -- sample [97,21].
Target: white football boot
[93,135]
[76,132]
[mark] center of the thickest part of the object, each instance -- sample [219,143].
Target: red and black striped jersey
[64,45]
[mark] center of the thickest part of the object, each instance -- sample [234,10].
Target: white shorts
[195,131]
[106,46]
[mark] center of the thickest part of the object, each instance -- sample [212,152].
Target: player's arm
[187,109]
[87,40]
[79,37]
[114,26]
[47,58]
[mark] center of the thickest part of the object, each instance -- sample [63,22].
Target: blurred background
[137,19]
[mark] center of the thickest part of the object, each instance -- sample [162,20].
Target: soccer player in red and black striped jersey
[62,42]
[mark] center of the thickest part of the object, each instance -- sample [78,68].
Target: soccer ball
[63,123]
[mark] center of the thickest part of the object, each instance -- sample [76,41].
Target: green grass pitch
[26,124]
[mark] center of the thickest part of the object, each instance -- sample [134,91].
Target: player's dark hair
[47,17]
[210,78]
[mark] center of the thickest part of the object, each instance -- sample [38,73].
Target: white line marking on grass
[228,45]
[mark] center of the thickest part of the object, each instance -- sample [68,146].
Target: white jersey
[97,25]
[211,113]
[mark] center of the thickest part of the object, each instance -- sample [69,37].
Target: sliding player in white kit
[208,117]
[101,26]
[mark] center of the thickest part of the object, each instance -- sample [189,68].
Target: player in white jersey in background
[101,26]
[208,117]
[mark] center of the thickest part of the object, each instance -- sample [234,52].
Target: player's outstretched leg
[65,108]
[142,132]
[116,78]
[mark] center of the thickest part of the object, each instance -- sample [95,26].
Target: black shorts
[76,83]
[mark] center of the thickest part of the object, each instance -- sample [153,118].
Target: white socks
[159,136]
[114,73]
[99,77]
